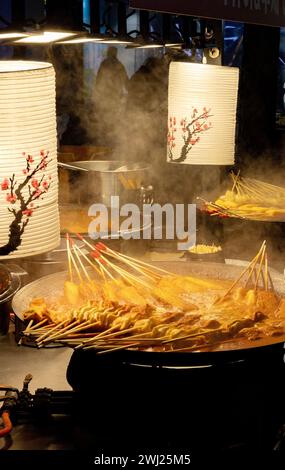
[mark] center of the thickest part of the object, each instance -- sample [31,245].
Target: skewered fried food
[71,292]
[204,249]
[163,311]
[250,199]
[37,309]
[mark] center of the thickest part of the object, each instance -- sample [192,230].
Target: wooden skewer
[242,274]
[263,184]
[40,331]
[138,337]
[254,263]
[30,324]
[260,192]
[125,274]
[76,250]
[112,335]
[221,210]
[35,327]
[102,267]
[116,348]
[260,267]
[84,326]
[235,179]
[266,272]
[136,261]
[76,338]
[263,279]
[272,285]
[257,194]
[121,256]
[62,330]
[73,260]
[99,271]
[69,258]
[58,325]
[193,335]
[78,335]
[97,336]
[144,271]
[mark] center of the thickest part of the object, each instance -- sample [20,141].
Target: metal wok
[236,350]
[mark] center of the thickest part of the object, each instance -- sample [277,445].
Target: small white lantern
[29,217]
[202,103]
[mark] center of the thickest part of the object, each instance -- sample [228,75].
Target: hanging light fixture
[81,40]
[29,218]
[202,103]
[62,21]
[14,29]
[11,35]
[45,37]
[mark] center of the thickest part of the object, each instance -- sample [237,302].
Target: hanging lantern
[202,103]
[29,217]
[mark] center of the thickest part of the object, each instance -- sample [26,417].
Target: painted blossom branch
[25,205]
[190,133]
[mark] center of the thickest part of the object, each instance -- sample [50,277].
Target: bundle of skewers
[250,199]
[130,304]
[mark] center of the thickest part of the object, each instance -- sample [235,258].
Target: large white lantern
[29,218]
[202,103]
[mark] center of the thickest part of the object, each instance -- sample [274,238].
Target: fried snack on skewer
[170,312]
[37,309]
[71,292]
[155,321]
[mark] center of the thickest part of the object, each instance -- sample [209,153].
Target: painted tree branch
[24,206]
[190,133]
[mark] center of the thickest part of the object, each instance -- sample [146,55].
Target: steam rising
[130,116]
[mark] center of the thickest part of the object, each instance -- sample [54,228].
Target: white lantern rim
[210,66]
[14,66]
[32,252]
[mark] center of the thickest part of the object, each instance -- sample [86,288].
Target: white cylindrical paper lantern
[29,217]
[202,103]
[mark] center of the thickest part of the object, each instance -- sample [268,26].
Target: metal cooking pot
[91,182]
[48,263]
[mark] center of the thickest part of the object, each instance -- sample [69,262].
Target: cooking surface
[48,367]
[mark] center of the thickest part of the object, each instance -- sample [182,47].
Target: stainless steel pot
[48,263]
[96,181]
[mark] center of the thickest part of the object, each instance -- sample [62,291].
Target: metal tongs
[68,166]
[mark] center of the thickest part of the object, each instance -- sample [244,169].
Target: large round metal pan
[51,286]
[10,282]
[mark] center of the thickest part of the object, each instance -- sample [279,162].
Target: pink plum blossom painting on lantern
[190,129]
[22,195]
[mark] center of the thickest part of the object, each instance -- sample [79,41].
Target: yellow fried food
[37,308]
[71,292]
[170,298]
[204,249]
